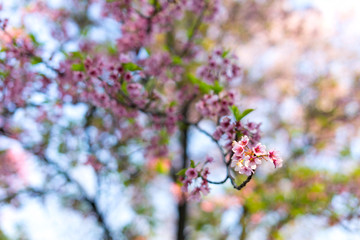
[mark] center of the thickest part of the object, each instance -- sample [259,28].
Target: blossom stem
[214,182]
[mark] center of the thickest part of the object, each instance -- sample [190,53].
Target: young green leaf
[217,87]
[78,67]
[131,67]
[76,55]
[236,112]
[124,87]
[177,60]
[203,86]
[33,40]
[192,164]
[36,60]
[181,172]
[246,112]
[225,53]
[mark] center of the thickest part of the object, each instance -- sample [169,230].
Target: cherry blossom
[259,149]
[191,173]
[245,160]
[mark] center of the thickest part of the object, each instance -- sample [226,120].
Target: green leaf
[345,152]
[78,67]
[181,172]
[4,74]
[177,60]
[77,55]
[112,49]
[36,60]
[64,52]
[193,79]
[172,104]
[33,39]
[236,112]
[217,87]
[192,163]
[203,86]
[190,32]
[246,112]
[164,137]
[131,67]
[62,148]
[225,53]
[131,120]
[124,87]
[155,3]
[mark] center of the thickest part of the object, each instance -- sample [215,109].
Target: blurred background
[301,72]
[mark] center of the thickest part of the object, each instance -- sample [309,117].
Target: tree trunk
[182,205]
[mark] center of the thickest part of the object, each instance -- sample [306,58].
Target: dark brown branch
[227,163]
[196,125]
[184,138]
[92,203]
[30,191]
[129,103]
[243,222]
[219,182]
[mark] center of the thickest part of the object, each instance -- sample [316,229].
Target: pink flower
[234,160]
[278,162]
[244,140]
[275,158]
[134,90]
[209,159]
[218,133]
[238,166]
[205,172]
[238,149]
[273,154]
[252,162]
[128,77]
[259,149]
[195,194]
[246,170]
[186,184]
[226,124]
[191,173]
[237,162]
[204,188]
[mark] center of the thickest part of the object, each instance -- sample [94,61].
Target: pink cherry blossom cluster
[245,159]
[195,178]
[16,82]
[154,65]
[140,20]
[229,129]
[220,67]
[212,105]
